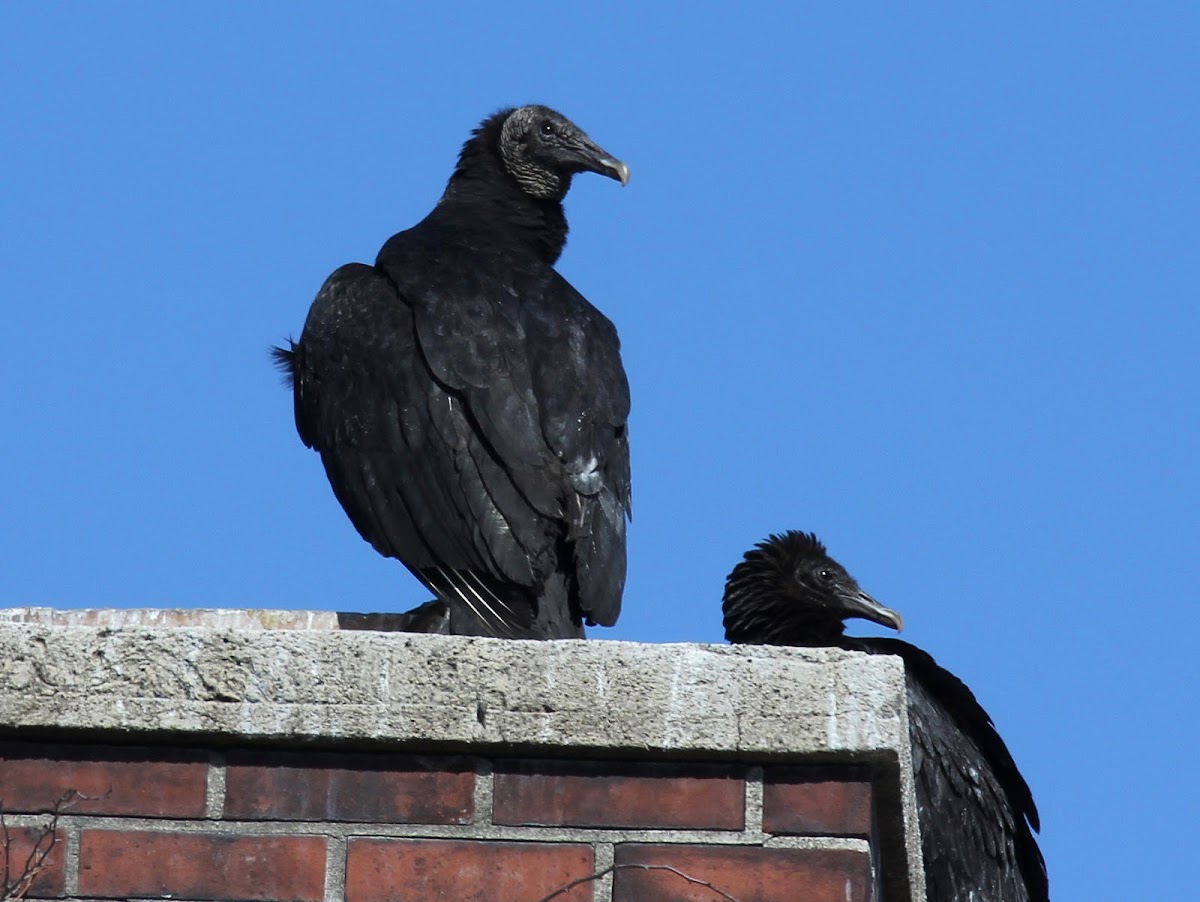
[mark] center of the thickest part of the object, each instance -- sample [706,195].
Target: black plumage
[469,405]
[975,810]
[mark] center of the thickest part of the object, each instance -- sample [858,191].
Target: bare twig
[578,881]
[18,886]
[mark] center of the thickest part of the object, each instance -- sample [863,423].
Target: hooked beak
[616,169]
[860,604]
[594,158]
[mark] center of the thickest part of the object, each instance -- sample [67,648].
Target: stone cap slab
[361,687]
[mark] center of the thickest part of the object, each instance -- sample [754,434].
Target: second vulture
[974,808]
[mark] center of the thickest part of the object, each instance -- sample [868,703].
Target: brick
[384,870]
[747,873]
[619,794]
[391,789]
[817,801]
[202,866]
[118,780]
[49,880]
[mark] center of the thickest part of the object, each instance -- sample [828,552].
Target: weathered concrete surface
[360,685]
[300,685]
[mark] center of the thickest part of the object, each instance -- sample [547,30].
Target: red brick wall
[308,826]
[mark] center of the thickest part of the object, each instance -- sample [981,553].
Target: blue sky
[922,280]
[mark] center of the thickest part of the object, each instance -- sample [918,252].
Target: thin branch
[43,844]
[35,863]
[579,881]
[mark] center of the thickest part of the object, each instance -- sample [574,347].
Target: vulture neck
[486,195]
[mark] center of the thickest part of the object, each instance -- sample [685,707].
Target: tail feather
[284,360]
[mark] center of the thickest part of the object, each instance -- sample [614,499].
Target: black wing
[583,401]
[539,371]
[399,452]
[419,386]
[976,811]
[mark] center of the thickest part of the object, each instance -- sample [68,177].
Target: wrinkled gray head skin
[789,591]
[542,149]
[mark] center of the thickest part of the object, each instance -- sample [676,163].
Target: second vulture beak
[860,604]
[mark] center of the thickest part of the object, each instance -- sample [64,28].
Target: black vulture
[469,405]
[975,810]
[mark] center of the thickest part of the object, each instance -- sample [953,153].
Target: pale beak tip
[620,170]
